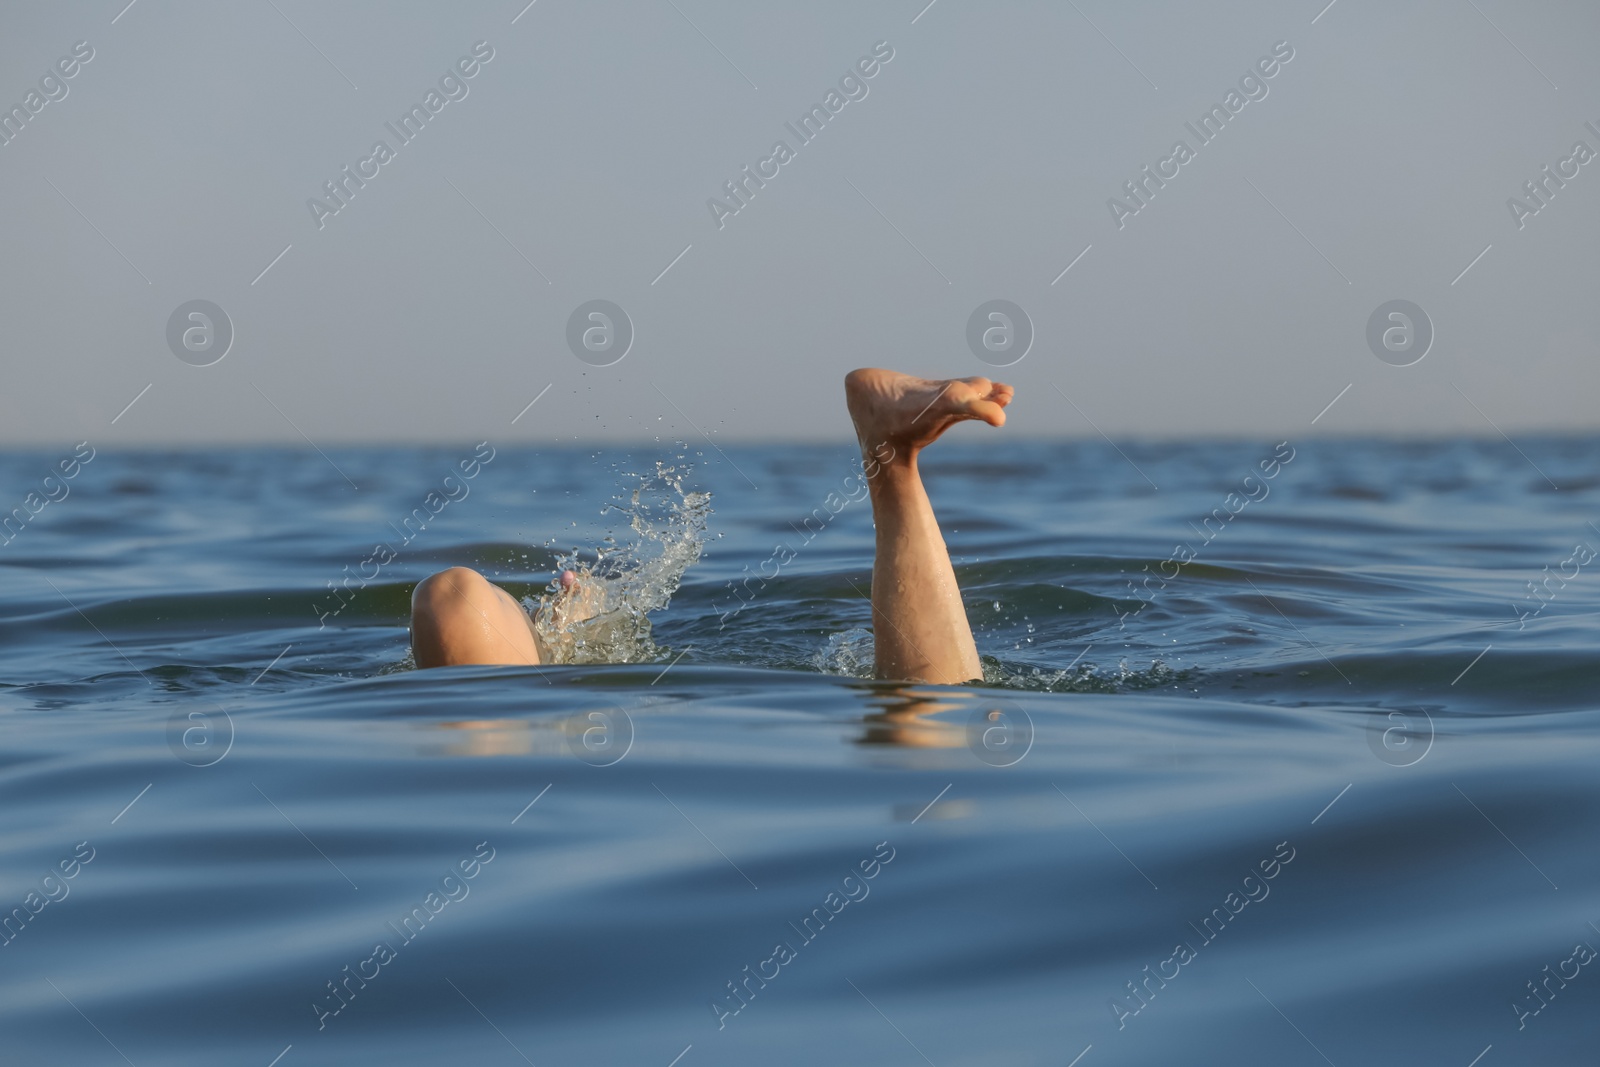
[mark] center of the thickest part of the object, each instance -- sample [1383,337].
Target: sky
[984,158]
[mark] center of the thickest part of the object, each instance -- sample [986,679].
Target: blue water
[264,799]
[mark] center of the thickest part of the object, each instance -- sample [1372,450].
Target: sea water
[1295,767]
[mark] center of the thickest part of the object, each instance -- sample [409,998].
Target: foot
[575,601]
[907,413]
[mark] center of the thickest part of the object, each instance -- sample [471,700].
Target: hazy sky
[977,163]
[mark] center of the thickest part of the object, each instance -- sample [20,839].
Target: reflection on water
[599,734]
[907,717]
[492,737]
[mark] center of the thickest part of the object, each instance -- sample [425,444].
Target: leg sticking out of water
[459,617]
[919,625]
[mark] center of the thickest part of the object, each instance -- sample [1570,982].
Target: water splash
[605,618]
[849,653]
[1082,678]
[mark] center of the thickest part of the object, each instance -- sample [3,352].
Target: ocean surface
[1287,769]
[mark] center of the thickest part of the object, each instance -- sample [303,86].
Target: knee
[451,590]
[449,612]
